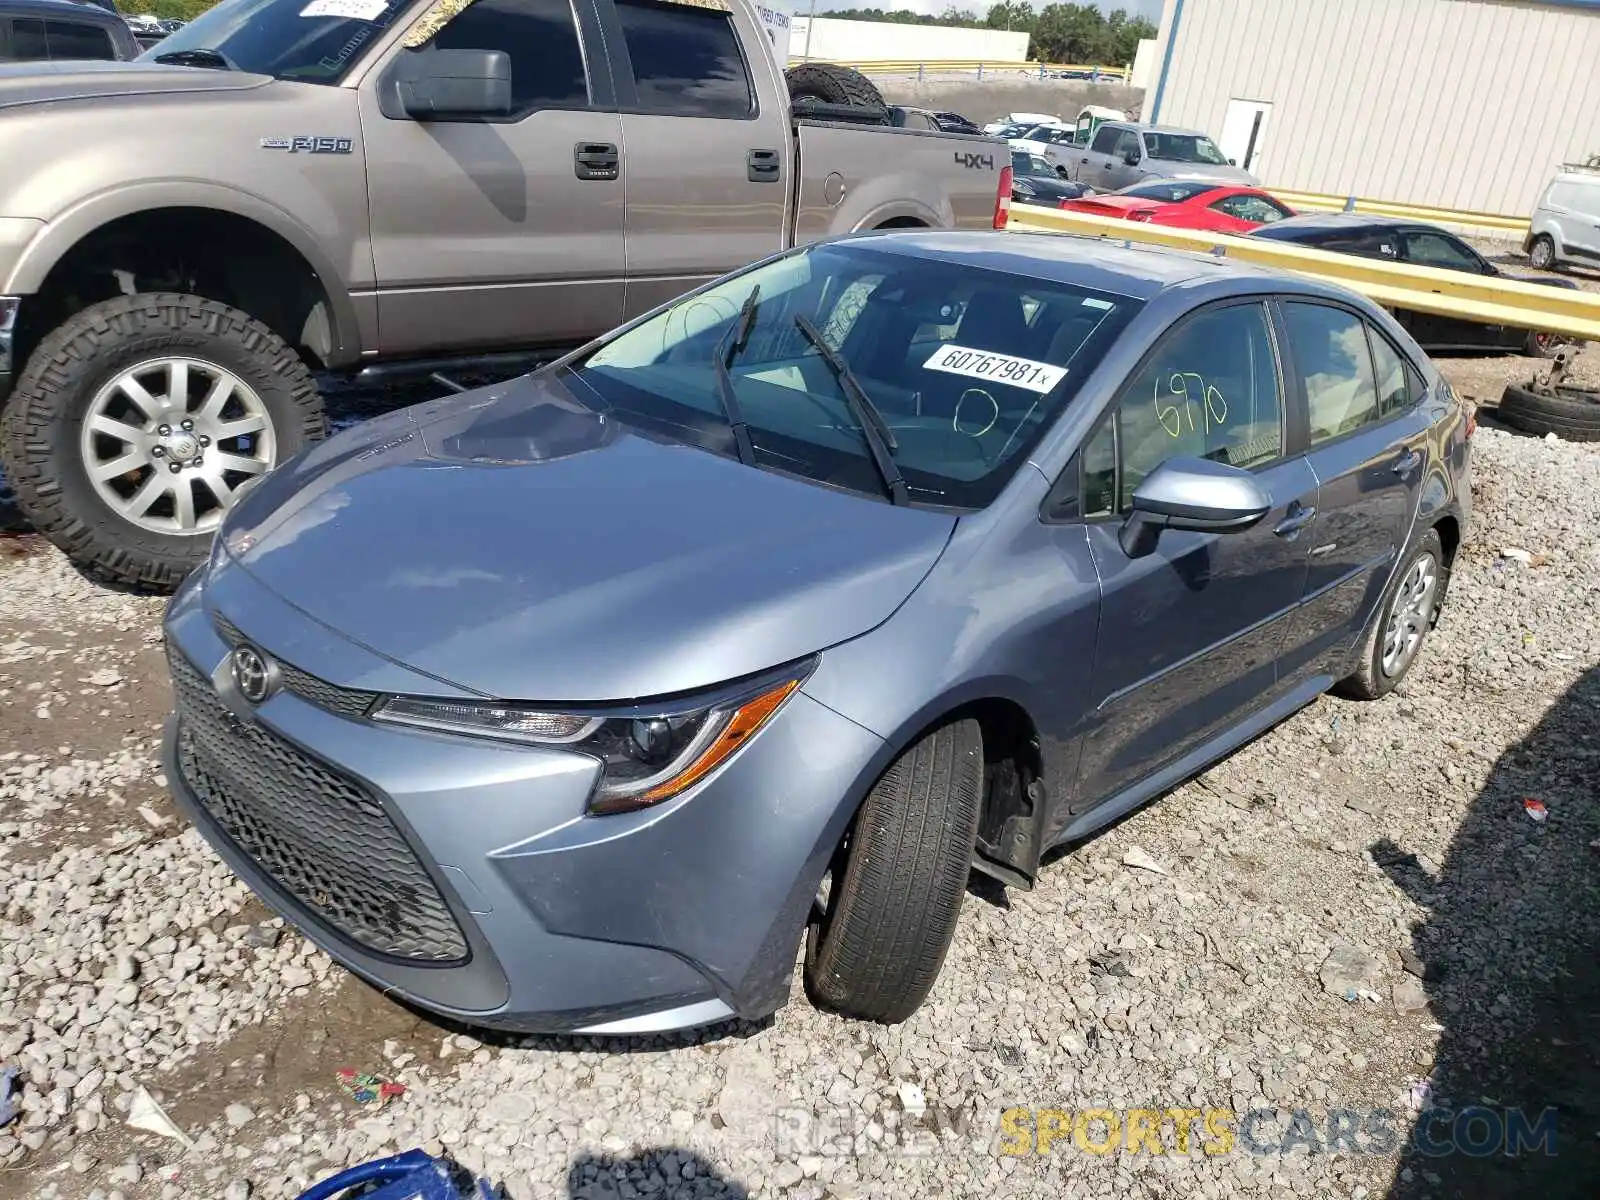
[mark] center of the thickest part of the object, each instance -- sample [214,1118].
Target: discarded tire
[1572,413]
[831,84]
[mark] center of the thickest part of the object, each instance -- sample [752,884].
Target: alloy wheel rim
[1409,616]
[1542,255]
[169,443]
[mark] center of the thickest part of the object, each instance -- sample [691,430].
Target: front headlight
[648,753]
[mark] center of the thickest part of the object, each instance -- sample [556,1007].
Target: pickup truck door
[1118,174]
[705,129]
[1092,161]
[505,231]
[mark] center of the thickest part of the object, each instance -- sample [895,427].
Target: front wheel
[1409,609]
[137,423]
[889,906]
[1542,254]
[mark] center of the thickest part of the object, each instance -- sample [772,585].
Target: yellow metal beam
[1498,223]
[1485,298]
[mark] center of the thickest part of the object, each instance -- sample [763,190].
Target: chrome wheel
[1410,613]
[1543,254]
[169,443]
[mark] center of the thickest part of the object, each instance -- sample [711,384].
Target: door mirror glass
[1196,494]
[455,83]
[1131,158]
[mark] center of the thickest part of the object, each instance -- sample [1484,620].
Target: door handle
[595,160]
[1298,518]
[1407,463]
[762,166]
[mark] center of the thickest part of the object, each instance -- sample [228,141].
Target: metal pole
[811,23]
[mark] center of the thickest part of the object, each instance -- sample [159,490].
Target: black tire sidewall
[60,382]
[1533,253]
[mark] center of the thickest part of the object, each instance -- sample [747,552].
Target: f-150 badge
[309,145]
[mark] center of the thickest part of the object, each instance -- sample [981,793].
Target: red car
[1187,204]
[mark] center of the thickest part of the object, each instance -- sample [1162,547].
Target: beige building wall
[1463,104]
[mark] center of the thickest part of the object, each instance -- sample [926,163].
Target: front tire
[1542,254]
[1394,640]
[897,886]
[135,425]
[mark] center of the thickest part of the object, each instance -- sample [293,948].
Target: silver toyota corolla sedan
[575,703]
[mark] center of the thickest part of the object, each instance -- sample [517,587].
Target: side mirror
[1131,158]
[1233,162]
[1196,494]
[436,84]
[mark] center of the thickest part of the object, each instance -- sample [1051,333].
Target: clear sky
[1140,8]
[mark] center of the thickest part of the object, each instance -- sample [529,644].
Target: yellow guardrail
[908,66]
[1325,202]
[1491,300]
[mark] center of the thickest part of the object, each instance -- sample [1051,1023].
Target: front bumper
[673,916]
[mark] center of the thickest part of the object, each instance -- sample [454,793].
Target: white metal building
[831,38]
[1462,104]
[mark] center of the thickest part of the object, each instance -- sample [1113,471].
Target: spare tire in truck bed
[833,84]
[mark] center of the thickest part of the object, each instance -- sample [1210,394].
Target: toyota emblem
[251,674]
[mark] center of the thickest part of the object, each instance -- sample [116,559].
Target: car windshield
[968,367]
[1031,165]
[1168,191]
[1184,148]
[310,41]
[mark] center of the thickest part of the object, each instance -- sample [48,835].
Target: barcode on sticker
[996,368]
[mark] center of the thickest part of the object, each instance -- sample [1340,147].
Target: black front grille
[341,701]
[320,835]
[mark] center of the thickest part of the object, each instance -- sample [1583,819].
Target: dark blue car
[575,702]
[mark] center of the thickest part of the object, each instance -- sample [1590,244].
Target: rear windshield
[1184,148]
[1168,191]
[969,367]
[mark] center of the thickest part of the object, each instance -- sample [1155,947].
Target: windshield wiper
[729,348]
[880,438]
[200,56]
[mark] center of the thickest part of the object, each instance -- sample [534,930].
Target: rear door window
[27,40]
[1335,365]
[74,40]
[1394,380]
[686,60]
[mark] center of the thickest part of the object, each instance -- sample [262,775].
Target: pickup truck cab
[1123,153]
[344,184]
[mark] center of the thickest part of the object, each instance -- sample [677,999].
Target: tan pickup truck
[286,187]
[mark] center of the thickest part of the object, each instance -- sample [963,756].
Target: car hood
[44,82]
[1159,168]
[515,543]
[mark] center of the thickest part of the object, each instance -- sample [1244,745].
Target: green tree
[1015,15]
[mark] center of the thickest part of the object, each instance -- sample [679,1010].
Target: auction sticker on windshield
[350,10]
[996,368]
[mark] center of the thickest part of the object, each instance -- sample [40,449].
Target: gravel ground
[1378,851]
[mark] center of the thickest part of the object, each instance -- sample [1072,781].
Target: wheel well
[1449,531]
[197,251]
[901,223]
[1012,766]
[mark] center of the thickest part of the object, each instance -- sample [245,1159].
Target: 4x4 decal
[973,161]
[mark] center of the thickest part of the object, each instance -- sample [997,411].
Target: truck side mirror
[1131,158]
[444,84]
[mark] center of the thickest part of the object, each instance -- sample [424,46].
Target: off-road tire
[1546,244]
[1573,413]
[40,427]
[833,84]
[897,894]
[1369,682]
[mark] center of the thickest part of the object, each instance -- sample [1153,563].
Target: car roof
[1342,222]
[1156,128]
[1137,271]
[92,13]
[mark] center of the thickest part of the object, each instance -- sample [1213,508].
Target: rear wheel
[136,424]
[1410,607]
[889,906]
[1543,345]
